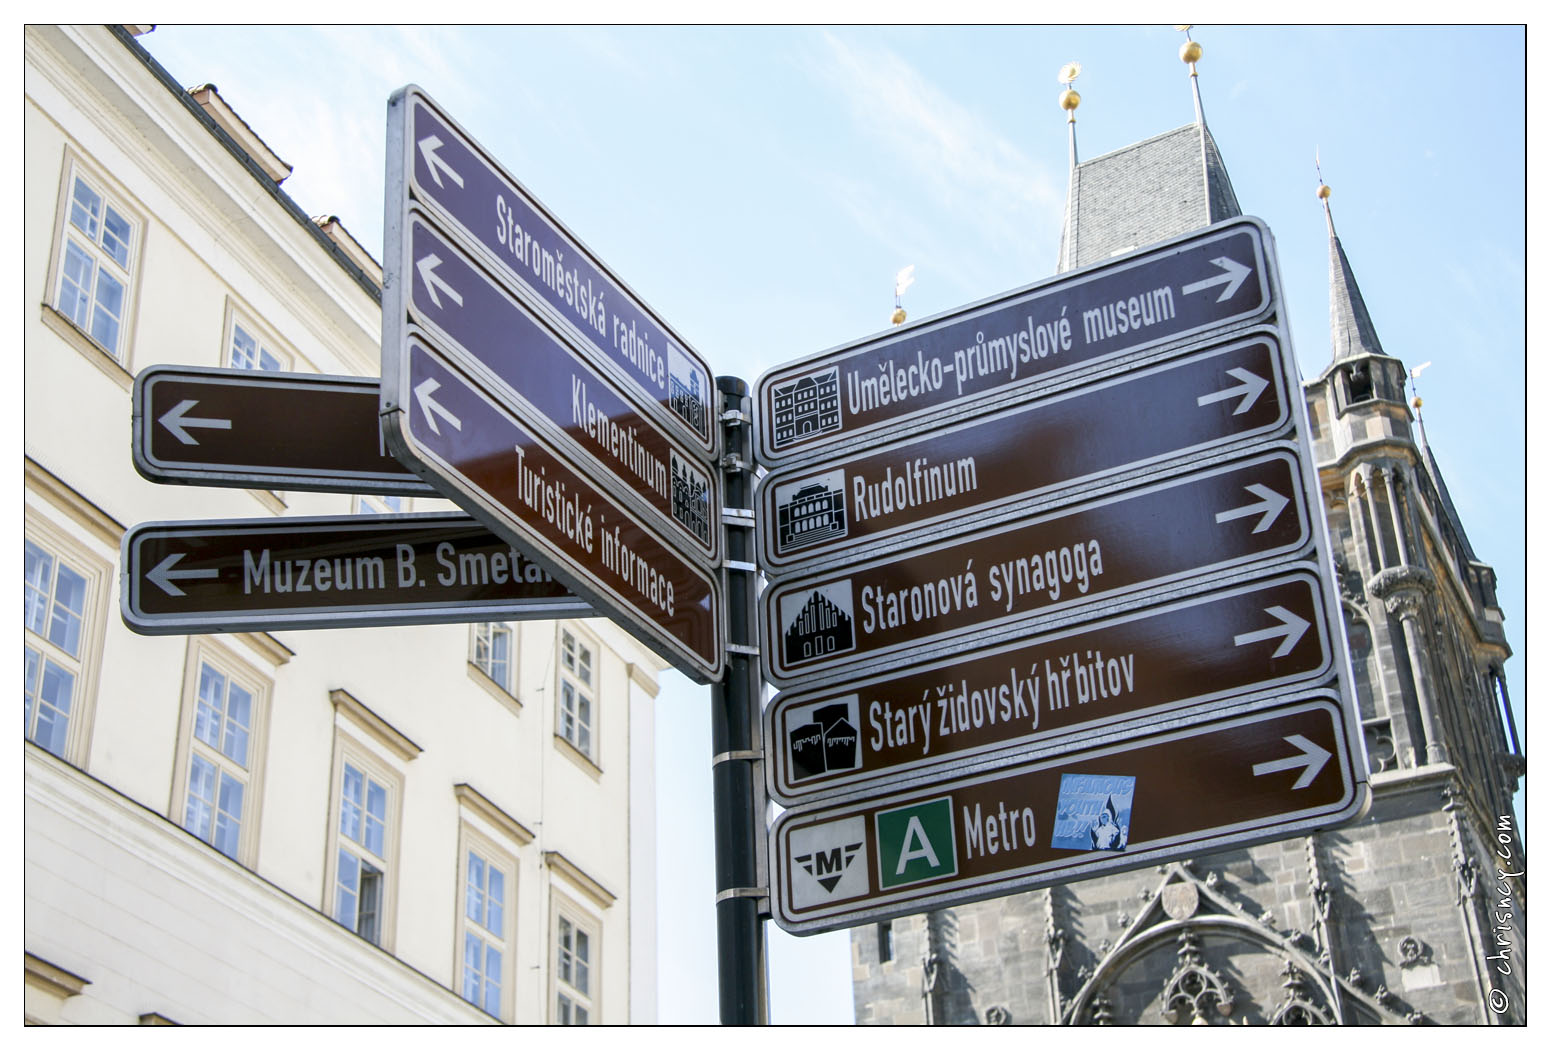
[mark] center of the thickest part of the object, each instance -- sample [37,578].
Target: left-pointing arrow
[163,575]
[177,420]
[427,267]
[1310,756]
[433,408]
[429,147]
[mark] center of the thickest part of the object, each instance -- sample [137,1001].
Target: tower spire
[1351,329]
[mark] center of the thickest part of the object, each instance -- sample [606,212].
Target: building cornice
[476,802]
[558,862]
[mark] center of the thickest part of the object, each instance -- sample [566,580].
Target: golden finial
[1323,192]
[1069,98]
[1189,51]
[1416,400]
[902,280]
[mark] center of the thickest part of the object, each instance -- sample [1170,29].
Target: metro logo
[916,843]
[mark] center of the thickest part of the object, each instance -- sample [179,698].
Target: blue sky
[761,187]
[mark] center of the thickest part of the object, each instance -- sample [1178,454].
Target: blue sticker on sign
[1093,812]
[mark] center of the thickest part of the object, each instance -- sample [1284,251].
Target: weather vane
[902,280]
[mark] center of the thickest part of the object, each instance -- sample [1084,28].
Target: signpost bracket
[751,754]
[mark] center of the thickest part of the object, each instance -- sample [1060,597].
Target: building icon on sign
[685,399]
[820,627]
[691,498]
[812,512]
[810,405]
[826,741]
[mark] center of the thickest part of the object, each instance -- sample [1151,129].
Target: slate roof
[1351,329]
[1149,191]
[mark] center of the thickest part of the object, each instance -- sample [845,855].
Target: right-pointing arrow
[1250,386]
[1311,757]
[1290,630]
[163,575]
[1268,507]
[433,408]
[1233,276]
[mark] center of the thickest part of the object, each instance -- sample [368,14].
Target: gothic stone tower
[1391,920]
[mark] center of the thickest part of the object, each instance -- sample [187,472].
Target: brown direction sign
[1252,778]
[921,374]
[1244,511]
[341,572]
[538,374]
[951,480]
[511,479]
[264,430]
[434,161]
[978,706]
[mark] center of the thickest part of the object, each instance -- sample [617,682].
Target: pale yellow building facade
[446,823]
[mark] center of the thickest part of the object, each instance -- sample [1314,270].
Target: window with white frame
[575,959]
[493,654]
[248,348]
[576,720]
[98,244]
[55,608]
[380,504]
[366,807]
[221,752]
[489,882]
[361,863]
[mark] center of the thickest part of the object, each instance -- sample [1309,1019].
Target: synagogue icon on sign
[818,627]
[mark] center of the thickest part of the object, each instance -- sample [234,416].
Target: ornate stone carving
[1398,581]
[998,1015]
[1181,900]
[1194,986]
[1297,1006]
[1413,951]
[1101,1010]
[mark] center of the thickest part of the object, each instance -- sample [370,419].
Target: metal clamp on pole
[757,893]
[752,754]
[738,516]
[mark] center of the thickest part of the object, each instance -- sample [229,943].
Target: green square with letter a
[916,843]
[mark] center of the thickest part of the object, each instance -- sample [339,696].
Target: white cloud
[994,192]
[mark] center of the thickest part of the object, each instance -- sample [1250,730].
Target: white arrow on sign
[433,160]
[433,408]
[1250,386]
[427,267]
[1290,630]
[163,574]
[176,420]
[1268,507]
[1312,758]
[1235,274]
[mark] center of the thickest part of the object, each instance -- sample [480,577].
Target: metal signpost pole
[737,776]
